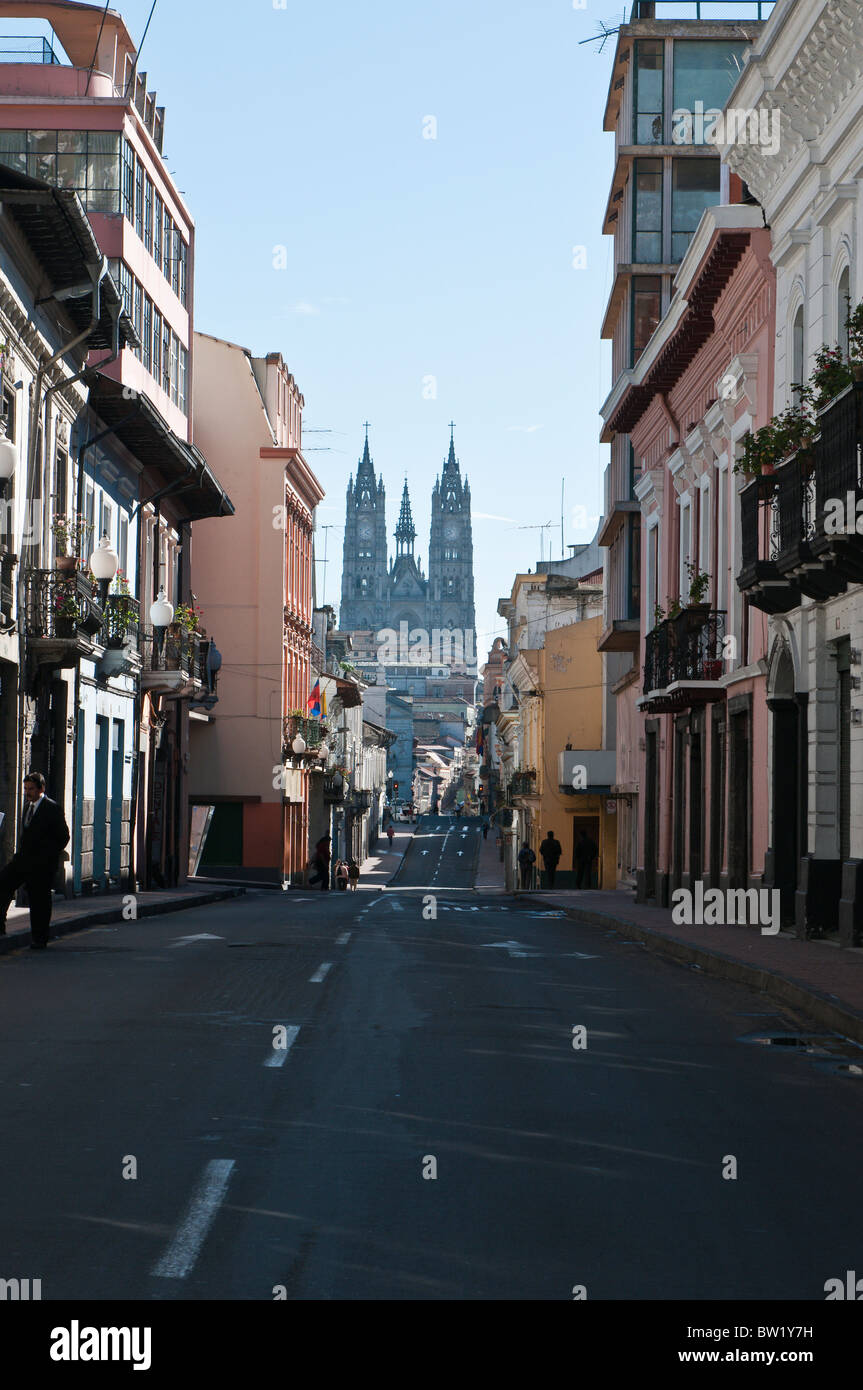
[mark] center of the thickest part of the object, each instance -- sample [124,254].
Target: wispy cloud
[523,429]
[489,516]
[305,308]
[335,299]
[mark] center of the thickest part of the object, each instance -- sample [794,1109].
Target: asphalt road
[443,853]
[410,1038]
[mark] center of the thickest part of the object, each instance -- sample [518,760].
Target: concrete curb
[820,1007]
[100,917]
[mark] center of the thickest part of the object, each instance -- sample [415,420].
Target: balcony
[788,546]
[62,616]
[588,770]
[173,661]
[334,789]
[523,783]
[683,661]
[313,731]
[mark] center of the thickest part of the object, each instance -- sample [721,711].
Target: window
[647,221]
[647,115]
[7,505]
[139,314]
[89,516]
[183,399]
[704,516]
[843,310]
[694,187]
[139,199]
[175,262]
[175,369]
[184,272]
[127,289]
[634,595]
[652,577]
[685,550]
[721,541]
[128,181]
[147,334]
[166,357]
[797,355]
[148,213]
[646,311]
[167,240]
[123,545]
[60,476]
[106,520]
[156,367]
[88,161]
[705,72]
[157,228]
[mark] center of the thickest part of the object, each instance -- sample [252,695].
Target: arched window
[797,355]
[843,309]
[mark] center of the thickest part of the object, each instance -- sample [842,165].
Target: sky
[426,279]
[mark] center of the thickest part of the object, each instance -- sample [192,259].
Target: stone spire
[405,531]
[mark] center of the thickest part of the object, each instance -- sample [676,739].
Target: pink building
[704,379]
[256,571]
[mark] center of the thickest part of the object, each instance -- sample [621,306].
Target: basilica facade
[419,628]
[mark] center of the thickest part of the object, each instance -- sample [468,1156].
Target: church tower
[451,554]
[408,584]
[365,590]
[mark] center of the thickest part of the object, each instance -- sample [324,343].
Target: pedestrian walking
[485,830]
[526,861]
[391,834]
[320,866]
[44,836]
[342,875]
[354,874]
[551,850]
[585,853]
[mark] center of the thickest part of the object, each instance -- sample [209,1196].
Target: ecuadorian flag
[313,704]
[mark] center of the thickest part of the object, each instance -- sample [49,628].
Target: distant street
[412,1044]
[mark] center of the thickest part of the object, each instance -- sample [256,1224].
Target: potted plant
[699,582]
[658,614]
[66,610]
[830,376]
[122,610]
[774,442]
[61,529]
[854,325]
[187,617]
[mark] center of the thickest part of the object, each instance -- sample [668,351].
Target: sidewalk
[489,868]
[74,914]
[379,868]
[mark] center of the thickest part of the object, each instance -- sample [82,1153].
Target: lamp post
[161,614]
[103,566]
[299,745]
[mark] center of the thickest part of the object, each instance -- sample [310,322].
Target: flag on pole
[313,704]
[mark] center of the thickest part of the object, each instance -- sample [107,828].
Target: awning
[349,693]
[167,458]
[58,233]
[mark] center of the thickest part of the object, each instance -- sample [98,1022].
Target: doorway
[590,825]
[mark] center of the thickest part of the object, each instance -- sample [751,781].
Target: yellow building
[554,721]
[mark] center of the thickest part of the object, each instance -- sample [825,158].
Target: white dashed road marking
[321,973]
[180,1256]
[279,1055]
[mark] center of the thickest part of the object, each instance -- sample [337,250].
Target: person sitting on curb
[342,875]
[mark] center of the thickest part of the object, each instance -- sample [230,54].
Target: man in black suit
[44,836]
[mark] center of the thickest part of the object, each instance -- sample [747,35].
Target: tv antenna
[606,32]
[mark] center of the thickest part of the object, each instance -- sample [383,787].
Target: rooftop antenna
[606,32]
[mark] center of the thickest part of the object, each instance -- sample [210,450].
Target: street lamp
[324,752]
[103,566]
[299,745]
[8,458]
[161,614]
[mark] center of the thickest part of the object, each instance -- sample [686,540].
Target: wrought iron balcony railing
[523,783]
[179,651]
[121,621]
[684,652]
[313,731]
[793,541]
[61,606]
